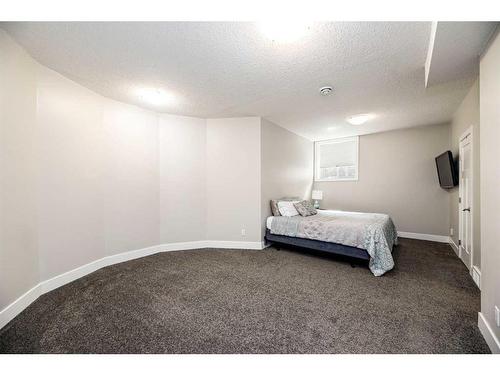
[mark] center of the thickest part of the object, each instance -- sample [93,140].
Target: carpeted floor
[250,301]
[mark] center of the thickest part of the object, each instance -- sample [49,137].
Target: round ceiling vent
[327,90]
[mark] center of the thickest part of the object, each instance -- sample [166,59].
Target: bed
[368,236]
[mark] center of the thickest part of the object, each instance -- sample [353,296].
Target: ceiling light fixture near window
[155,96]
[360,119]
[283,31]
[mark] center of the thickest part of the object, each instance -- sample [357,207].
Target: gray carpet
[246,301]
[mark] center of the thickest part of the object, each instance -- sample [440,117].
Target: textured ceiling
[456,49]
[231,69]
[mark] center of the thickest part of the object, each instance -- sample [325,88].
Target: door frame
[464,135]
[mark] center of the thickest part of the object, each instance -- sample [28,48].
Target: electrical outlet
[497,316]
[243,232]
[451,231]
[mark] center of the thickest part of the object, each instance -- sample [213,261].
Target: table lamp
[317,195]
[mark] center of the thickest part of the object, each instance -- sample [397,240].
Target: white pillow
[287,208]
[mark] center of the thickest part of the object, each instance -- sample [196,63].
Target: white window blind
[336,159]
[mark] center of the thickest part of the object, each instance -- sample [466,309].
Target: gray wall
[397,176]
[467,116]
[286,166]
[490,182]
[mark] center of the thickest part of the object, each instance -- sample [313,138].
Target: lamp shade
[317,194]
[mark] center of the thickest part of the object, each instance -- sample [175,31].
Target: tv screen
[446,170]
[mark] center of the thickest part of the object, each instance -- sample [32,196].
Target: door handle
[466,209]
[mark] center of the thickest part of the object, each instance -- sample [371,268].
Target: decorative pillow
[305,208]
[274,207]
[287,208]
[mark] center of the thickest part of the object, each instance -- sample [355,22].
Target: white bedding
[269,221]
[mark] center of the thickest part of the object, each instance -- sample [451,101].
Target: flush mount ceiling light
[155,96]
[326,90]
[360,119]
[283,31]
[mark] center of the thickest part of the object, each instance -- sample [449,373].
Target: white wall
[490,182]
[233,179]
[182,142]
[397,176]
[131,179]
[84,177]
[18,235]
[466,116]
[70,168]
[286,166]
[113,177]
[98,176]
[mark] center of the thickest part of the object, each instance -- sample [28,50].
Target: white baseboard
[488,334]
[454,247]
[425,237]
[12,310]
[475,272]
[476,276]
[190,245]
[257,245]
[16,307]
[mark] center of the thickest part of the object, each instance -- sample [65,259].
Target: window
[336,160]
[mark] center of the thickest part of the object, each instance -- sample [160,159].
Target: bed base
[353,253]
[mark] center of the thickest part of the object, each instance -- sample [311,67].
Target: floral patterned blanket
[374,233]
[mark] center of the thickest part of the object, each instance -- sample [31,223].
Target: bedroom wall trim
[488,334]
[475,272]
[234,244]
[425,237]
[454,246]
[16,307]
[476,276]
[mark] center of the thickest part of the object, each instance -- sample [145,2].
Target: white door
[465,199]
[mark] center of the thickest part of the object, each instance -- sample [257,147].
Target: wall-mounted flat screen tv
[447,173]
